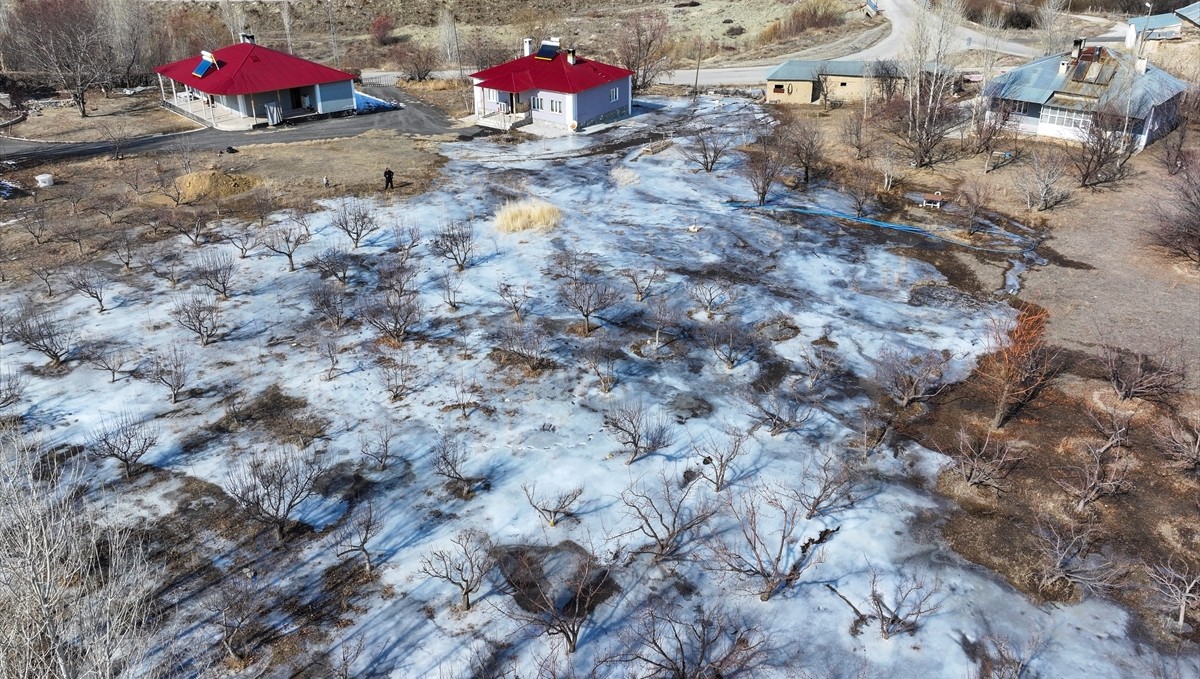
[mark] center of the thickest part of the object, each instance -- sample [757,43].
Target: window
[842,85]
[1065,117]
[778,89]
[536,103]
[493,95]
[1021,108]
[614,94]
[555,106]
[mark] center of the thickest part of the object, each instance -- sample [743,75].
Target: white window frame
[556,106]
[614,93]
[1021,108]
[536,103]
[493,95]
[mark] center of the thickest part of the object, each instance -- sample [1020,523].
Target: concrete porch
[212,115]
[504,121]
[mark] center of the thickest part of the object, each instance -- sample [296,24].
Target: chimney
[1140,66]
[248,37]
[571,56]
[1077,47]
[1063,66]
[528,46]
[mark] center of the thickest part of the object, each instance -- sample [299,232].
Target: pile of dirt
[214,184]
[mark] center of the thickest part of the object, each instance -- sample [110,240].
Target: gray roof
[808,70]
[1155,23]
[1100,78]
[1191,13]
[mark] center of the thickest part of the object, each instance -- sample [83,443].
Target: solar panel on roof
[546,52]
[203,68]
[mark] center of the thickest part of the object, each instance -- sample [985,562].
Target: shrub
[526,215]
[809,15]
[381,30]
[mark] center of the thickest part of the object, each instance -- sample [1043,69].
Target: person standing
[387,178]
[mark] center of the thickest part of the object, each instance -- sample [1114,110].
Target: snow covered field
[848,300]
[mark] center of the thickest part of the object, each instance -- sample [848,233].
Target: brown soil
[128,116]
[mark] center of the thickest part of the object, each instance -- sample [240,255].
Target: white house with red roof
[554,87]
[243,84]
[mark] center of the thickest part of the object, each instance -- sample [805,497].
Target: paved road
[415,118]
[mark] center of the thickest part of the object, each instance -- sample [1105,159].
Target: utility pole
[337,59]
[699,53]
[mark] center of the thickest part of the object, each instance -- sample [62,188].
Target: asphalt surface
[415,118]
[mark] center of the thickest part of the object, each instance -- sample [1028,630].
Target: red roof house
[552,86]
[249,81]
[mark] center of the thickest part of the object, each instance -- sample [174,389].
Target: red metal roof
[555,75]
[246,68]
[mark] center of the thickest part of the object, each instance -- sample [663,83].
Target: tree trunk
[279,526]
[466,600]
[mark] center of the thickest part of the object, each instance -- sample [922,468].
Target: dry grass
[530,214]
[803,18]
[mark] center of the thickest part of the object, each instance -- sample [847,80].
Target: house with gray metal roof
[1152,28]
[1191,14]
[1060,95]
[802,82]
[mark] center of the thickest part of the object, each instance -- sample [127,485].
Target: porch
[497,120]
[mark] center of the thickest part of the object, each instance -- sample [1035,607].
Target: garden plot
[766,333]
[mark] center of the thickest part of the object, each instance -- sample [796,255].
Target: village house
[1061,94]
[1142,30]
[554,87]
[239,86]
[804,82]
[1190,15]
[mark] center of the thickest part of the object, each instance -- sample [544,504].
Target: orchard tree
[67,40]
[645,47]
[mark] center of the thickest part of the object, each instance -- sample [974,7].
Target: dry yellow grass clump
[530,214]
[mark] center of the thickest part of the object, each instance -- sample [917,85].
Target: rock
[689,406]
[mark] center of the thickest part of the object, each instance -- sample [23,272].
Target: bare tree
[1137,375]
[450,457]
[640,431]
[764,162]
[930,113]
[900,611]
[1177,227]
[1179,440]
[234,604]
[587,295]
[763,549]
[416,60]
[713,296]
[464,565]
[552,508]
[284,239]
[272,484]
[984,462]
[355,219]
[215,270]
[805,144]
[644,46]
[376,445]
[46,274]
[109,357]
[732,342]
[1069,560]
[1002,658]
[12,388]
[910,376]
[66,40]
[600,360]
[171,368]
[1101,155]
[1046,169]
[888,163]
[707,145]
[334,263]
[664,316]
[526,344]
[554,603]
[200,314]
[400,373]
[1177,583]
[331,351]
[1019,364]
[854,133]
[1052,33]
[663,516]
[392,313]
[243,237]
[668,643]
[449,285]
[457,242]
[330,303]
[46,333]
[354,536]
[517,298]
[643,280]
[1102,474]
[125,438]
[825,486]
[89,281]
[192,224]
[780,409]
[718,455]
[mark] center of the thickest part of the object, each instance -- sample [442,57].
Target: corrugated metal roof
[1104,76]
[1154,23]
[247,68]
[808,70]
[1191,13]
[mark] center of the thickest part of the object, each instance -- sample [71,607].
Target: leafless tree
[825,486]
[669,643]
[465,564]
[1053,35]
[910,376]
[216,270]
[1069,560]
[457,242]
[762,549]
[1103,152]
[12,388]
[662,514]
[764,162]
[125,438]
[556,603]
[272,484]
[355,535]
[1019,364]
[46,273]
[587,295]
[192,224]
[333,262]
[713,296]
[1102,474]
[718,455]
[1002,658]
[911,599]
[234,604]
[664,316]
[67,41]
[355,219]
[929,113]
[1040,184]
[450,457]
[166,266]
[888,163]
[330,303]
[400,373]
[416,60]
[46,333]
[526,344]
[449,285]
[600,360]
[732,342]
[392,313]
[552,508]
[984,462]
[284,239]
[331,350]
[640,431]
[819,365]
[805,145]
[1174,153]
[1179,440]
[1177,224]
[36,223]
[1137,375]
[172,368]
[854,133]
[571,265]
[243,237]
[74,230]
[860,190]
[707,145]
[376,445]
[642,279]
[200,314]
[107,356]
[90,281]
[780,409]
[974,196]
[517,298]
[644,46]
[1177,583]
